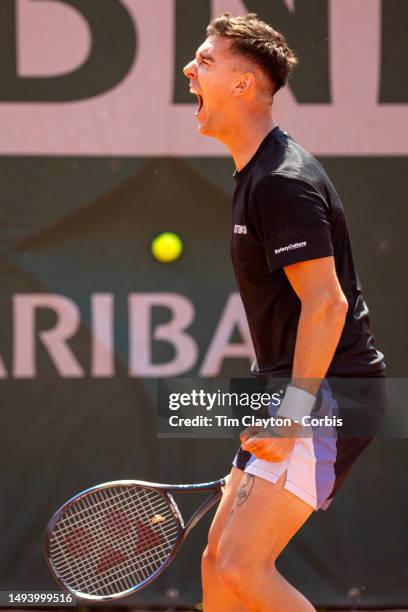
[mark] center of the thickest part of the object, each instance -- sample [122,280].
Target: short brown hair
[259,42]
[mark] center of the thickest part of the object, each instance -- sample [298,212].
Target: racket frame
[165,490]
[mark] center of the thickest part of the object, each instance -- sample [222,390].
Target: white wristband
[296,404]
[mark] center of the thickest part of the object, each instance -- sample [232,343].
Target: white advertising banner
[136,115]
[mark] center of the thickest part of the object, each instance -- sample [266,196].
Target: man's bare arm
[323,312]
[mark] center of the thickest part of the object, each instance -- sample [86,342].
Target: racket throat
[176,510]
[201,510]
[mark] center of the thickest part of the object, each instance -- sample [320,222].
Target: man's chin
[204,129]
[201,129]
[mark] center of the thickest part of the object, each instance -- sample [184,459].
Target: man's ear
[245,83]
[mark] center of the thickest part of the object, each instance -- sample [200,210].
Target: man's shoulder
[288,167]
[283,184]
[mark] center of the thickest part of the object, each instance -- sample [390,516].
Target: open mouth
[200,102]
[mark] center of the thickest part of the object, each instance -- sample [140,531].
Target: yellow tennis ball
[167,247]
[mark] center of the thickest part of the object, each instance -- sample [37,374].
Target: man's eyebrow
[204,55]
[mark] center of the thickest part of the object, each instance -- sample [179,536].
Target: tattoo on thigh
[229,517]
[245,489]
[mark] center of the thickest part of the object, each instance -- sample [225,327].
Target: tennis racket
[115,538]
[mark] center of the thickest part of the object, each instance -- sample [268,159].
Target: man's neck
[246,138]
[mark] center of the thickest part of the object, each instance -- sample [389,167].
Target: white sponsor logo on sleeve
[291,247]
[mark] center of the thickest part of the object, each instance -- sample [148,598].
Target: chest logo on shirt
[290,247]
[240,229]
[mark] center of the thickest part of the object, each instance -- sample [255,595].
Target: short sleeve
[291,218]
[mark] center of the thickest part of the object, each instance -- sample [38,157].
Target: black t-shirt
[286,210]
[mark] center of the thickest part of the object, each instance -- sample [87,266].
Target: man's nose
[190,70]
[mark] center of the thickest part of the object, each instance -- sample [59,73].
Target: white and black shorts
[318,464]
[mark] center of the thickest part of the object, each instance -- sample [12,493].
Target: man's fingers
[248,433]
[249,445]
[275,449]
[253,443]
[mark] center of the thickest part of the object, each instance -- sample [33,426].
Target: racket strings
[112,540]
[108,558]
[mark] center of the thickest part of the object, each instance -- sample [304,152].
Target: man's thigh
[224,509]
[264,518]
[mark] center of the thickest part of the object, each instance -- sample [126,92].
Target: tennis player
[307,316]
